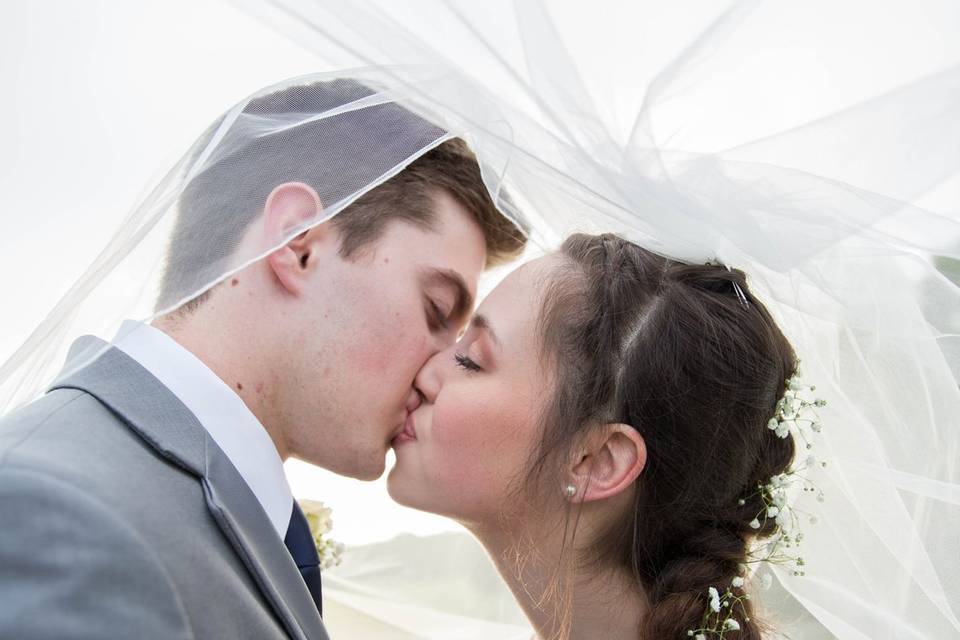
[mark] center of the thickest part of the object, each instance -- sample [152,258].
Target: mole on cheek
[239,387]
[234,282]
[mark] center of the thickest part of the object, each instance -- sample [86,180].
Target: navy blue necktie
[300,543]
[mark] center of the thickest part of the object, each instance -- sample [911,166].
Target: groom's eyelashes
[436,318]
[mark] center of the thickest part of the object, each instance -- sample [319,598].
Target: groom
[143,496]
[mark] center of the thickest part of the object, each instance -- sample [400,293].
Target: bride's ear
[288,206]
[611,460]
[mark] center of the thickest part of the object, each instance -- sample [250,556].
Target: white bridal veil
[815,145]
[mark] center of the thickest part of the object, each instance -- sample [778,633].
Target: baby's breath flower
[714,599]
[731,625]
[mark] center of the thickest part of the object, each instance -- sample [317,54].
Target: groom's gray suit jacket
[121,518]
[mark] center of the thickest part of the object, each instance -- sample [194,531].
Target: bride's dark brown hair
[674,350]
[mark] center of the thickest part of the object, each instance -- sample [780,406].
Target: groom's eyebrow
[451,279]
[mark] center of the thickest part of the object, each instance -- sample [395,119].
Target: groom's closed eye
[448,298]
[436,317]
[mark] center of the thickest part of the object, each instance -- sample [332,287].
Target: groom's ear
[611,460]
[288,206]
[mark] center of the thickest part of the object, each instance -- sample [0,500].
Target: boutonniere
[320,519]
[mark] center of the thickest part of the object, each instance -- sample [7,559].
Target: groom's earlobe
[289,206]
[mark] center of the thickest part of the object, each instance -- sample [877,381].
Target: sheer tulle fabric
[689,131]
[834,207]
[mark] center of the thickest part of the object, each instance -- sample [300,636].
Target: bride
[601,427]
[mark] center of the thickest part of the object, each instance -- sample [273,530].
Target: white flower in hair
[714,599]
[731,625]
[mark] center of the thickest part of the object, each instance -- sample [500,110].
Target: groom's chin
[366,467]
[371,470]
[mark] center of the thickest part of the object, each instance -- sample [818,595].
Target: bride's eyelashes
[466,363]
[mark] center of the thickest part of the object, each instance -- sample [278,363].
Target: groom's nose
[413,400]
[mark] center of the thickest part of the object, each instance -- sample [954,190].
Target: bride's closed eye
[466,362]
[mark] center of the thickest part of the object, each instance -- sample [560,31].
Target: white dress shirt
[221,412]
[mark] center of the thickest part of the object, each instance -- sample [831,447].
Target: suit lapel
[165,423]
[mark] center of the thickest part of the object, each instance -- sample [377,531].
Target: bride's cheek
[449,428]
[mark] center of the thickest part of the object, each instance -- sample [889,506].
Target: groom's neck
[233,358]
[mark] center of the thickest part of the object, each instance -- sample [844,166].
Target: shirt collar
[220,410]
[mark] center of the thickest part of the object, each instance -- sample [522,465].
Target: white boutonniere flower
[320,519]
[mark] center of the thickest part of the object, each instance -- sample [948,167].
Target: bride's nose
[429,379]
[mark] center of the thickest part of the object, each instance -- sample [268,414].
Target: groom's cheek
[389,344]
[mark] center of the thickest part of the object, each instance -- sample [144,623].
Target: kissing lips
[409,432]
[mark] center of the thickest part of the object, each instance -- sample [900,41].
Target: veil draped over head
[814,146]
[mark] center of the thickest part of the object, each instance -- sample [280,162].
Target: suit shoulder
[57,423]
[20,426]
[71,436]
[118,587]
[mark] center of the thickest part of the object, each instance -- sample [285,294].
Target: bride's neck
[606,604]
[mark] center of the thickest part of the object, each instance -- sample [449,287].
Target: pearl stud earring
[571,490]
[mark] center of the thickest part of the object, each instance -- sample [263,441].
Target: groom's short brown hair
[219,203]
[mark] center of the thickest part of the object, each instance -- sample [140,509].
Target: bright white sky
[100,97]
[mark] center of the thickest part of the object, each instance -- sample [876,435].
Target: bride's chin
[398,488]
[408,494]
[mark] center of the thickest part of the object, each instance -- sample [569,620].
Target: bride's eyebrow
[479,321]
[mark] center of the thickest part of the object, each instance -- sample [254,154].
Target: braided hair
[686,355]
